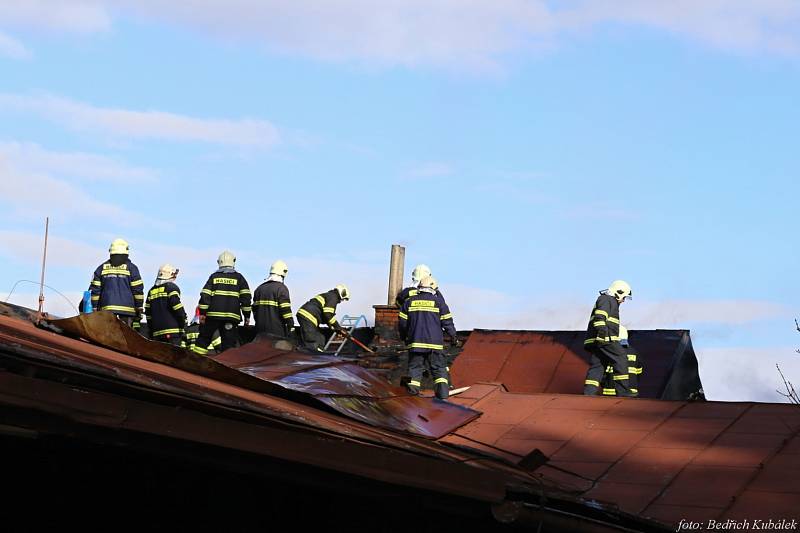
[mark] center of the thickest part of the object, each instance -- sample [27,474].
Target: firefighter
[166,316]
[117,285]
[319,310]
[602,340]
[224,300]
[422,321]
[420,271]
[272,308]
[635,367]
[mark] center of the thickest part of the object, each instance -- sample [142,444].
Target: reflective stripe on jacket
[321,309]
[226,297]
[272,308]
[422,321]
[603,322]
[406,293]
[164,310]
[118,288]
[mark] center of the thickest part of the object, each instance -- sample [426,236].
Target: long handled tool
[357,342]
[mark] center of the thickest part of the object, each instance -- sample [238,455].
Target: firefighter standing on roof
[224,300]
[117,285]
[166,316]
[602,340]
[422,321]
[319,310]
[272,308]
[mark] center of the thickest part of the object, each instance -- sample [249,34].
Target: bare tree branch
[790,393]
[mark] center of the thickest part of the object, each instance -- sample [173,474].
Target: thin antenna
[40,314]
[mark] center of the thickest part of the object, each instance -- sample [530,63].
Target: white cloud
[12,48]
[463,33]
[742,25]
[26,247]
[669,313]
[71,16]
[38,195]
[747,374]
[57,303]
[32,158]
[153,125]
[475,34]
[431,169]
[404,32]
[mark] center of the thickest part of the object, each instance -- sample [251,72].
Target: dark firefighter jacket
[422,319]
[321,309]
[272,309]
[403,295]
[118,287]
[164,310]
[226,297]
[603,322]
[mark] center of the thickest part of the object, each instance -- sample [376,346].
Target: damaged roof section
[339,384]
[555,362]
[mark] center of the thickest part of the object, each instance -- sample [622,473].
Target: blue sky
[529,154]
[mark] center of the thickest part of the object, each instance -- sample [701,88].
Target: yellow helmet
[226,259]
[620,290]
[118,246]
[344,293]
[428,282]
[167,271]
[279,267]
[420,271]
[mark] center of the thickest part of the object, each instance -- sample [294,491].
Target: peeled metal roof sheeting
[555,362]
[349,389]
[341,385]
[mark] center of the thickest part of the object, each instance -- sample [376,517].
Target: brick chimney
[386,315]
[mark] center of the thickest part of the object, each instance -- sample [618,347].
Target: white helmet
[226,259]
[344,293]
[118,246]
[620,290]
[167,271]
[420,271]
[428,282]
[279,267]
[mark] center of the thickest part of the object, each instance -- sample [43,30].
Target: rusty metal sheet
[349,389]
[103,328]
[409,414]
[262,367]
[653,458]
[555,361]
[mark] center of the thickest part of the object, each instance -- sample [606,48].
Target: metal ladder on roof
[349,324]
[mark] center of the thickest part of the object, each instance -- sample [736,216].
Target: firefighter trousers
[435,359]
[613,355]
[310,334]
[228,333]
